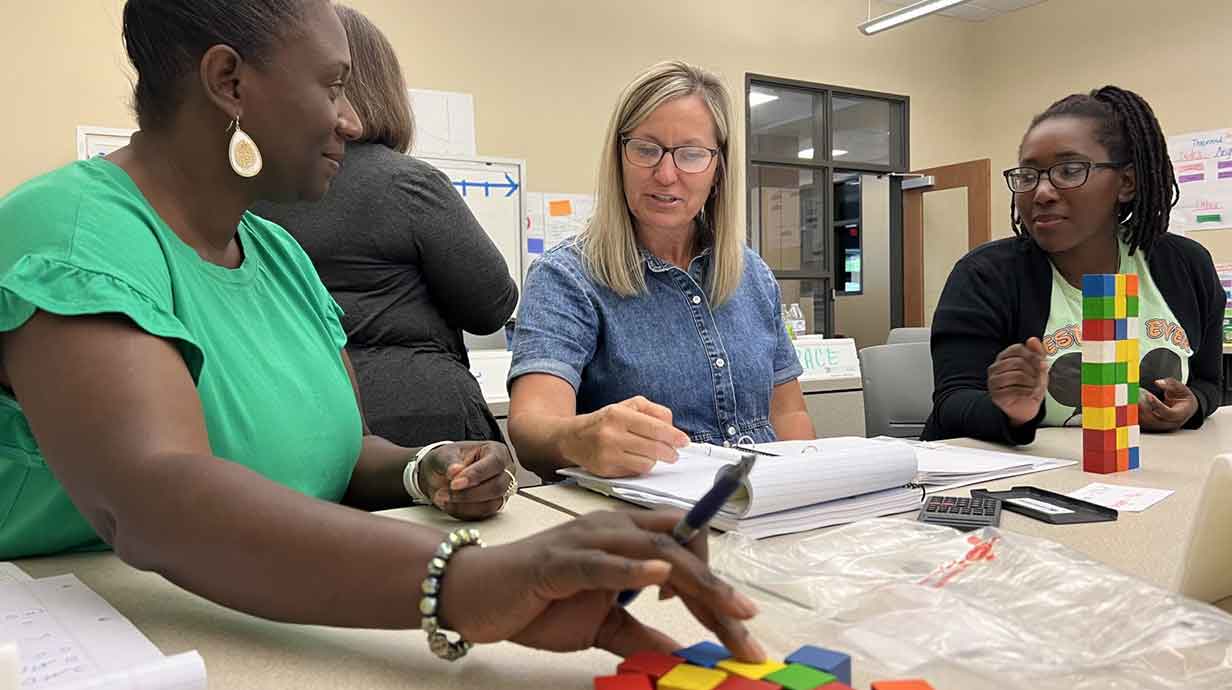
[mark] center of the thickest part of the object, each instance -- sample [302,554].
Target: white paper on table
[9,572]
[1133,499]
[71,638]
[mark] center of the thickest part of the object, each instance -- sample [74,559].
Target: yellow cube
[1100,418]
[1131,350]
[1122,437]
[1131,372]
[1122,350]
[1120,285]
[689,677]
[752,671]
[1119,306]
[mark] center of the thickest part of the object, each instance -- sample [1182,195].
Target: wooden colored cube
[1097,329]
[800,677]
[742,683]
[1134,458]
[652,664]
[754,671]
[1099,285]
[705,654]
[624,681]
[1098,439]
[1098,396]
[835,663]
[911,684]
[1099,461]
[1102,418]
[1131,284]
[689,677]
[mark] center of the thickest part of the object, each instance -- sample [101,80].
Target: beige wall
[545,74]
[1173,53]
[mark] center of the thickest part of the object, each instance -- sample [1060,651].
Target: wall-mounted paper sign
[100,141]
[827,357]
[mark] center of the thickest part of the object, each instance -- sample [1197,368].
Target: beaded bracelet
[428,605]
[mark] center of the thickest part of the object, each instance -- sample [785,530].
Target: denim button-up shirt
[714,367]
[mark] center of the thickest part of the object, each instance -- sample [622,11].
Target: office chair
[908,335]
[1206,574]
[898,388]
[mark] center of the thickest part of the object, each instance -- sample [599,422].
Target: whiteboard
[1202,162]
[495,191]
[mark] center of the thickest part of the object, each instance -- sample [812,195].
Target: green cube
[799,677]
[1131,307]
[1098,307]
[1098,373]
[1131,393]
[1121,375]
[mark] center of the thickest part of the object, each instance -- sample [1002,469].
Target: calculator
[960,512]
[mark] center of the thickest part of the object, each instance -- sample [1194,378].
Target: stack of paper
[832,481]
[69,638]
[811,484]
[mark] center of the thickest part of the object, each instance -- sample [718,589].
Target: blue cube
[836,664]
[1121,329]
[1133,458]
[1099,285]
[704,654]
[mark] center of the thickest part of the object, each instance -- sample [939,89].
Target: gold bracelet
[430,603]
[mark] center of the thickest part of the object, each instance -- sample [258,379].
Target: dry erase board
[494,190]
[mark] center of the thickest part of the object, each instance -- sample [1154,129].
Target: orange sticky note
[560,207]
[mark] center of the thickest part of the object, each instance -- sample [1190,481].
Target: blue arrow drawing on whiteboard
[487,187]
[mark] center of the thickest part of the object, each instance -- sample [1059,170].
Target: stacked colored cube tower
[1110,373]
[709,666]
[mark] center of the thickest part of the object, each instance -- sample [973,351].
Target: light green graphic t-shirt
[1162,343]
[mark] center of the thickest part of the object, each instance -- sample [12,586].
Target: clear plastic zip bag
[983,609]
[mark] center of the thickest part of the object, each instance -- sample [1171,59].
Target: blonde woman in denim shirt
[657,326]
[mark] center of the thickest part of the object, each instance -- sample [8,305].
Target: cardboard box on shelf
[780,227]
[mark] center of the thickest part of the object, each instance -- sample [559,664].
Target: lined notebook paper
[70,638]
[813,484]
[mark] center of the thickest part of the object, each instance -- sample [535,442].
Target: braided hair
[1127,127]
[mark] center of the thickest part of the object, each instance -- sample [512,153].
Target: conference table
[1151,545]
[242,651]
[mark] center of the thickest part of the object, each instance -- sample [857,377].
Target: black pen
[726,481]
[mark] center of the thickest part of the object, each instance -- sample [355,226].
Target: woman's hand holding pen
[624,439]
[557,590]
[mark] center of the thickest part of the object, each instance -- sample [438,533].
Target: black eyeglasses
[647,154]
[1067,175]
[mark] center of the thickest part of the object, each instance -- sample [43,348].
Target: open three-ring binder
[803,485]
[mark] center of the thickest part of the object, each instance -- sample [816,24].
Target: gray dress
[411,267]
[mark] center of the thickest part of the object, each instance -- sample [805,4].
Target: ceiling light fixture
[757,98]
[906,14]
[808,153]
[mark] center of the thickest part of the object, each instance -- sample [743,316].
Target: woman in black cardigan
[1092,194]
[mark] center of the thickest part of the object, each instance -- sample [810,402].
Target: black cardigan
[999,294]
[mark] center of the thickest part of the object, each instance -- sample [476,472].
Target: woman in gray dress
[406,260]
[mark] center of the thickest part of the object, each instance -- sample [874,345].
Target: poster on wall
[1202,162]
[100,141]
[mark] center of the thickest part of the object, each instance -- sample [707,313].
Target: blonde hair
[376,87]
[608,243]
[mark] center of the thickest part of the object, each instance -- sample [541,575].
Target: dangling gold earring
[243,153]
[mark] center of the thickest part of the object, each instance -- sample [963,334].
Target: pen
[726,481]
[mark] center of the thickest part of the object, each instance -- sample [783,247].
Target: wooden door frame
[976,176]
